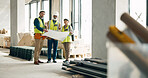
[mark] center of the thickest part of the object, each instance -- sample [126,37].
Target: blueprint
[56,35]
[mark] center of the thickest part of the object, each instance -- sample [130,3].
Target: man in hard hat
[53,25]
[39,29]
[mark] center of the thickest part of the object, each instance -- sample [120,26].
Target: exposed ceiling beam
[27,1]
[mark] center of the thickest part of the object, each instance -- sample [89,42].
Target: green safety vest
[41,25]
[53,26]
[68,38]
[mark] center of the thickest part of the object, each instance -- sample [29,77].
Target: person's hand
[59,28]
[70,32]
[45,27]
[45,30]
[45,23]
[48,38]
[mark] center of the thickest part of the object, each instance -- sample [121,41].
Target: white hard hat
[56,14]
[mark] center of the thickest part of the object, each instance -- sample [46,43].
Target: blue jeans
[55,45]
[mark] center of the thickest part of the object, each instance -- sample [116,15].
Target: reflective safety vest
[53,26]
[41,25]
[68,38]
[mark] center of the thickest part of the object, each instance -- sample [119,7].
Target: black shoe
[36,63]
[54,61]
[40,61]
[48,61]
[66,62]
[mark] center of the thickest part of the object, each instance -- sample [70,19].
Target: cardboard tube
[136,27]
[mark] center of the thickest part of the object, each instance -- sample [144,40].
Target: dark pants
[55,45]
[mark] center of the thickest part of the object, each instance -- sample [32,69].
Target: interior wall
[5,14]
[103,15]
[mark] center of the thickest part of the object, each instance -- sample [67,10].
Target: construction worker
[68,39]
[53,25]
[39,29]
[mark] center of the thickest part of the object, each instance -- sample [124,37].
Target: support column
[103,15]
[73,14]
[147,12]
[79,18]
[50,9]
[17,20]
[41,5]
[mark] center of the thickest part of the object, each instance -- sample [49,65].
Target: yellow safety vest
[41,25]
[68,38]
[53,26]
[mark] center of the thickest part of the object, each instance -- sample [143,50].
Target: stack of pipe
[93,67]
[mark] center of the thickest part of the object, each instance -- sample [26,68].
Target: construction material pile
[3,31]
[26,52]
[93,67]
[23,52]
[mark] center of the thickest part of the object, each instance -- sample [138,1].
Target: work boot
[48,61]
[54,61]
[66,62]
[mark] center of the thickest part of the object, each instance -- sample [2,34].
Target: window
[46,9]
[76,17]
[65,10]
[138,10]
[26,18]
[33,16]
[38,7]
[86,21]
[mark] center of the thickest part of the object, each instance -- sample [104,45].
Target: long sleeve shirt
[37,24]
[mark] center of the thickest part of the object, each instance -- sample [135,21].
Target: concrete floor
[12,67]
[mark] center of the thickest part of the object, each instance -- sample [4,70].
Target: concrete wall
[5,14]
[13,15]
[103,15]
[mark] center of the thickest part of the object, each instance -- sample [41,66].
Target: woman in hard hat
[68,39]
